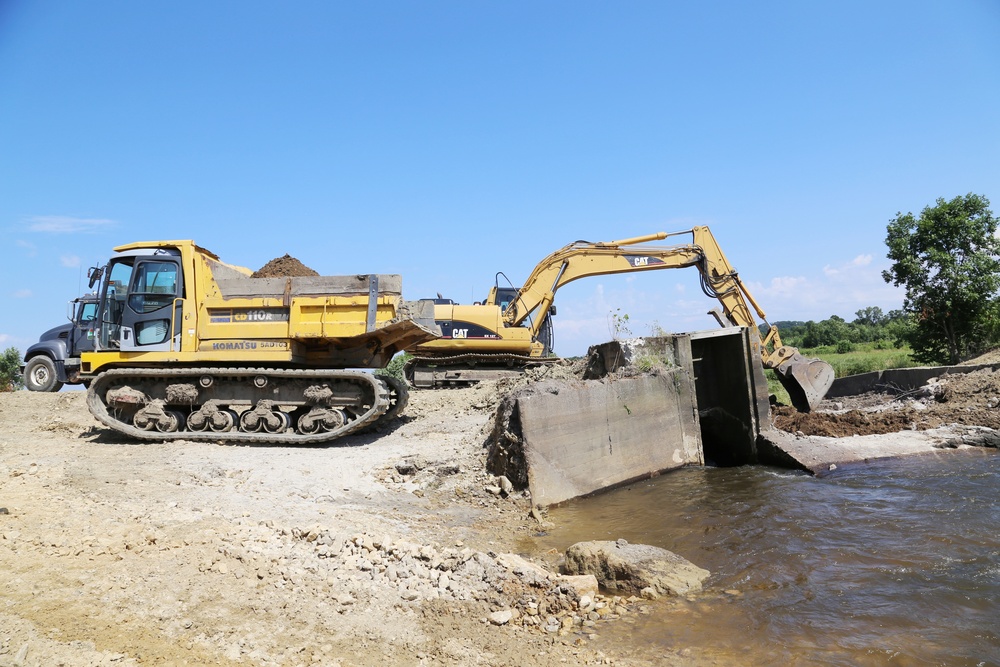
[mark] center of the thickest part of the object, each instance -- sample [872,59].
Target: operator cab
[507,295]
[140,300]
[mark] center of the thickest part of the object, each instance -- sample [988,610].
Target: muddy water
[895,563]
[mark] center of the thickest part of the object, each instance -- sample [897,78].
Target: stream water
[892,563]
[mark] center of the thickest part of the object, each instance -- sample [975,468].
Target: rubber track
[501,361]
[102,412]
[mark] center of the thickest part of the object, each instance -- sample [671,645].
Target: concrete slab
[575,438]
[820,455]
[732,393]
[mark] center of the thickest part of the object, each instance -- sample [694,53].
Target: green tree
[947,260]
[900,326]
[871,316]
[10,370]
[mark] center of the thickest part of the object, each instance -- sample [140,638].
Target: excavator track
[243,405]
[462,370]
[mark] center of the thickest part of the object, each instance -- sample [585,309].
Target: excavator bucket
[805,380]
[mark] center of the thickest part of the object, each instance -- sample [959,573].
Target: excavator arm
[806,380]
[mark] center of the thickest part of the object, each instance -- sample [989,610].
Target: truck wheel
[40,375]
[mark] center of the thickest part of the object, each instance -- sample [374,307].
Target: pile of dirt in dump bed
[969,399]
[284,267]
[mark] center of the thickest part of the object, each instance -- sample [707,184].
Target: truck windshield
[88,311]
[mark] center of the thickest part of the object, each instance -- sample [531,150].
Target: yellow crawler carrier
[190,347]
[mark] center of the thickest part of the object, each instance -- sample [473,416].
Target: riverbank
[384,548]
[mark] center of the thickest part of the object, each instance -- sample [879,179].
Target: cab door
[151,320]
[82,335]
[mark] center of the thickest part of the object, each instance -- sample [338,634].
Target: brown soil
[967,399]
[284,267]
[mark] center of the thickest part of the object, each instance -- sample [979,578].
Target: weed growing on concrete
[649,362]
[618,325]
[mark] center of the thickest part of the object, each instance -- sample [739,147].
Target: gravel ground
[381,549]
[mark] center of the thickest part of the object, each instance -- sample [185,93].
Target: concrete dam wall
[645,406]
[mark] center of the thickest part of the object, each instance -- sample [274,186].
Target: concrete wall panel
[896,380]
[589,436]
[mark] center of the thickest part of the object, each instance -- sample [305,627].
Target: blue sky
[446,141]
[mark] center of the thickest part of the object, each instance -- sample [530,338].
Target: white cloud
[858,262]
[70,261]
[836,290]
[23,294]
[4,338]
[862,260]
[784,286]
[30,249]
[64,224]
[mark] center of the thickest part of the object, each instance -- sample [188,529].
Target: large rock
[630,568]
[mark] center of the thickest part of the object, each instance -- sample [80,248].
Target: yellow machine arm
[582,259]
[719,280]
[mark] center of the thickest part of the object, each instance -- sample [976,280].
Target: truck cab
[55,359]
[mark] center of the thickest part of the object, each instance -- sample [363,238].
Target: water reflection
[891,563]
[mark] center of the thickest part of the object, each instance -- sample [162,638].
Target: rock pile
[518,592]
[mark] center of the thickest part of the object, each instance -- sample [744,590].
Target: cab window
[154,286]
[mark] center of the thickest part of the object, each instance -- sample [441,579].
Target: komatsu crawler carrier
[189,347]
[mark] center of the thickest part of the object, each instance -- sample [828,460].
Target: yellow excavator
[512,329]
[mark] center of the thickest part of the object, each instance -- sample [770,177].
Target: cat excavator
[511,330]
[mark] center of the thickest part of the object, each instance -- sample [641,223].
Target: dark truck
[55,359]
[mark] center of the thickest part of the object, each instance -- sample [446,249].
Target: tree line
[947,259]
[870,326]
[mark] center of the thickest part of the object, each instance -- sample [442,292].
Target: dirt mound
[991,357]
[842,425]
[284,267]
[969,399]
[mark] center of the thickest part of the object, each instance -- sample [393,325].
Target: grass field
[863,359]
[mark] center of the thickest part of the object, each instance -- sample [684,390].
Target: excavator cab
[504,296]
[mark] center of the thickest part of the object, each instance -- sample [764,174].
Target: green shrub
[845,346]
[648,362]
[10,370]
[395,366]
